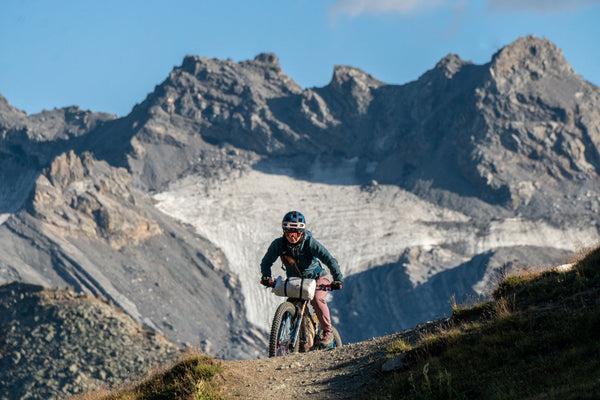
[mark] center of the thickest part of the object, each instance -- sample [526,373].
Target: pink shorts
[320,306]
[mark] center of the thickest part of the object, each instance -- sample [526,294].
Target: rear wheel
[282,331]
[337,339]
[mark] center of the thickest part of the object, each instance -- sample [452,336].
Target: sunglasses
[293,231]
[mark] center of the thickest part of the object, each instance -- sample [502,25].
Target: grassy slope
[538,339]
[190,378]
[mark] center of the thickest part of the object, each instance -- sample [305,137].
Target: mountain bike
[295,328]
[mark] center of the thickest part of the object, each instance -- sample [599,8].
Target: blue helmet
[293,221]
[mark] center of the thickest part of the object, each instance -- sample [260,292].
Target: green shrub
[190,377]
[398,347]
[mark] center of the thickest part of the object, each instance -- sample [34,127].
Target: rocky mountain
[85,226]
[500,130]
[422,191]
[56,343]
[30,143]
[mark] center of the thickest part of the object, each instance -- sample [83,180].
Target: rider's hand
[266,281]
[336,285]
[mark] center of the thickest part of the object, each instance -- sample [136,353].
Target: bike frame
[298,322]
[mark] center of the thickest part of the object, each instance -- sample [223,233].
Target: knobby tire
[282,331]
[337,339]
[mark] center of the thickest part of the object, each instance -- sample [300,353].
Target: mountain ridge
[258,123]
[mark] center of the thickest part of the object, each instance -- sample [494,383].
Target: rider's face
[293,237]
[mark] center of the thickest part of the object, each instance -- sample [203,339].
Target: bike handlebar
[326,287]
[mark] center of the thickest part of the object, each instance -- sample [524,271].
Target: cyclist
[300,254]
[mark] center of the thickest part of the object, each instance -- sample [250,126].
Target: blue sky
[107,55]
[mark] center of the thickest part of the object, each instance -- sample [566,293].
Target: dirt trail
[346,372]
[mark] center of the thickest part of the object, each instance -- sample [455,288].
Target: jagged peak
[450,65]
[268,58]
[446,68]
[343,74]
[195,64]
[264,70]
[84,197]
[532,54]
[66,168]
[7,109]
[4,102]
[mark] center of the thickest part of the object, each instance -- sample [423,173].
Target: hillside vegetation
[537,339]
[190,378]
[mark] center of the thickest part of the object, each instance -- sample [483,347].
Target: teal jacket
[306,256]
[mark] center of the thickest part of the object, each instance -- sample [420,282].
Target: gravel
[57,343]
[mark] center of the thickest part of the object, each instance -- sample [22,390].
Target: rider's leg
[320,306]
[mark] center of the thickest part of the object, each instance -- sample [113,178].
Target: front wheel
[282,331]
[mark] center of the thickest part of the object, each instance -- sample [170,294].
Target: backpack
[285,251]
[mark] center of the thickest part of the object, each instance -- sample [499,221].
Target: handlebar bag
[297,288]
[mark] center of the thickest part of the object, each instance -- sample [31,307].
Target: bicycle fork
[297,325]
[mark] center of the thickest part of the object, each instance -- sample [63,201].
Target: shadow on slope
[383,300]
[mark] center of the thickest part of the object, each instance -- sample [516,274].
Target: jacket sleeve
[319,251]
[269,258]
